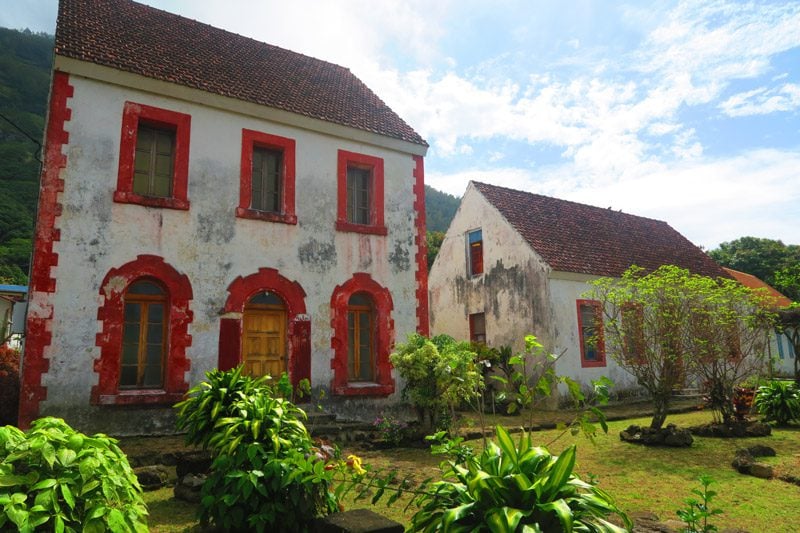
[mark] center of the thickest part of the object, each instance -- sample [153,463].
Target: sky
[687,112]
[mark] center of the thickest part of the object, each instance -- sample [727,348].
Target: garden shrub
[266,473]
[440,374]
[9,385]
[778,401]
[55,478]
[512,487]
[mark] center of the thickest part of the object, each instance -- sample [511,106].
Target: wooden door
[264,342]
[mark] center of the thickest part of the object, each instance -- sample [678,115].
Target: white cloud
[763,101]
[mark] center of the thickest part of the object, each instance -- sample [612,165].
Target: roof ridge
[573,202]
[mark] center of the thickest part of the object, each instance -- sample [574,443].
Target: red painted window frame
[375,164]
[384,337]
[134,114]
[250,140]
[475,255]
[601,345]
[109,340]
[472,333]
[632,321]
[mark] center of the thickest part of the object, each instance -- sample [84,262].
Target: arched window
[144,332]
[363,333]
[360,338]
[144,336]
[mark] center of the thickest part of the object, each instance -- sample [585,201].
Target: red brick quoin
[42,285]
[382,298]
[423,322]
[299,333]
[109,339]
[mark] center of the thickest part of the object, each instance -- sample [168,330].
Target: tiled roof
[573,237]
[143,40]
[749,280]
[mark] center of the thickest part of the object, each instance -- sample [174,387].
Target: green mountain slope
[25,59]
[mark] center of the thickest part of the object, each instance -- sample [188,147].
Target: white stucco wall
[566,289]
[208,242]
[512,291]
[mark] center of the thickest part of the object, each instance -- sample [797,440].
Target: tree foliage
[769,260]
[668,325]
[440,208]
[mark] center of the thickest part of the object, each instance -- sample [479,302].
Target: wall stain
[400,258]
[317,256]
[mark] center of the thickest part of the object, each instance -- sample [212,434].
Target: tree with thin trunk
[669,325]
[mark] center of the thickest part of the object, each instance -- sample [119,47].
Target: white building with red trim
[208,200]
[513,263]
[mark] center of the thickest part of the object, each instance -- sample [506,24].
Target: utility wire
[25,133]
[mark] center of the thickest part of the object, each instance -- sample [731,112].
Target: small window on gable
[590,330]
[153,157]
[144,337]
[477,327]
[360,338]
[267,178]
[360,194]
[475,252]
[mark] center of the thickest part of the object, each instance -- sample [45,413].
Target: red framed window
[153,157]
[477,327]
[633,340]
[360,193]
[144,319]
[590,330]
[475,252]
[363,334]
[267,178]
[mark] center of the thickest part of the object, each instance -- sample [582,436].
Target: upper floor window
[590,329]
[477,327]
[267,178]
[154,161]
[154,157]
[360,193]
[475,252]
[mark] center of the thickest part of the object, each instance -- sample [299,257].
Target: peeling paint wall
[207,242]
[512,291]
[518,292]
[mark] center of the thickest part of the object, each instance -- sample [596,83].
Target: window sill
[254,214]
[141,397]
[364,389]
[590,364]
[342,225]
[125,197]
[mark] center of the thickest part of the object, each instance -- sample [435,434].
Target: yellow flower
[354,462]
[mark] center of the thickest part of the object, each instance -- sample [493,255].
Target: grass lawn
[640,479]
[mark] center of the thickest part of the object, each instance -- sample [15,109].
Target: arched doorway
[264,334]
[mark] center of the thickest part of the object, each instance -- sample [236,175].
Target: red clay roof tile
[573,237]
[748,280]
[143,40]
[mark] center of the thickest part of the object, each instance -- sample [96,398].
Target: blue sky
[688,112]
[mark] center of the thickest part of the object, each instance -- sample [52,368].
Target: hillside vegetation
[25,59]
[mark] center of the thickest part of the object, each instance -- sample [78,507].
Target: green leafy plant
[266,471]
[440,374]
[55,478]
[697,512]
[778,401]
[391,431]
[512,487]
